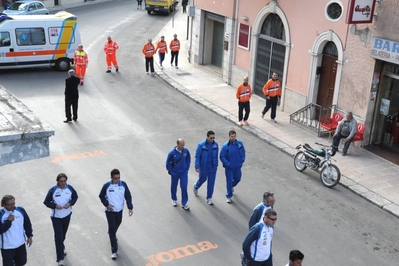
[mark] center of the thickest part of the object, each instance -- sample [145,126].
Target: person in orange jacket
[162,48]
[174,48]
[81,61]
[149,51]
[272,91]
[243,94]
[110,48]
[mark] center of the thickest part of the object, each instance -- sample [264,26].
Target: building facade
[320,58]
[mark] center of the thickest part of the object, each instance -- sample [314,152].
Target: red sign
[244,32]
[360,11]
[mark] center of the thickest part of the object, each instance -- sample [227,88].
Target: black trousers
[174,55]
[114,221]
[149,64]
[74,104]
[271,103]
[14,256]
[241,107]
[60,226]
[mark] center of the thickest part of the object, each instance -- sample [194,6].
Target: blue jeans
[60,226]
[161,58]
[233,177]
[204,174]
[114,221]
[336,141]
[183,177]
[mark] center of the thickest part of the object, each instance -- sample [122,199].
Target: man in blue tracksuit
[232,156]
[60,199]
[206,164]
[260,209]
[14,226]
[257,246]
[177,164]
[113,195]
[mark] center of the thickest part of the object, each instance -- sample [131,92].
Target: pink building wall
[222,7]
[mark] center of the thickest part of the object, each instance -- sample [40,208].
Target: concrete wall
[23,135]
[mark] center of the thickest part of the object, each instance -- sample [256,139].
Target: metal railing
[310,116]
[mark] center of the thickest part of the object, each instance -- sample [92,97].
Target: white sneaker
[148,73]
[240,123]
[61,263]
[114,256]
[273,121]
[246,123]
[228,200]
[186,207]
[161,67]
[263,116]
[209,201]
[177,67]
[152,73]
[174,203]
[171,65]
[195,192]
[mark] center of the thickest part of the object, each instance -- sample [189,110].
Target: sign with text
[385,50]
[244,32]
[360,11]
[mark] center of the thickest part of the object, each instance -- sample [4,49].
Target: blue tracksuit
[177,164]
[258,213]
[232,157]
[206,160]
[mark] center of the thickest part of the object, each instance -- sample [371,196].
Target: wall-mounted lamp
[375,15]
[245,18]
[378,2]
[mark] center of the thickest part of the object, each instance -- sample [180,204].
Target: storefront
[385,93]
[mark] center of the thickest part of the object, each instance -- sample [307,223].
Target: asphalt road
[130,121]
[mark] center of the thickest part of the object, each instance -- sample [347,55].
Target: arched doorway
[328,73]
[271,51]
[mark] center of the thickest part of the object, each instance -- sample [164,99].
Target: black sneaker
[108,71]
[117,70]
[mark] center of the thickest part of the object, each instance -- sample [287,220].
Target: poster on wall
[244,32]
[384,106]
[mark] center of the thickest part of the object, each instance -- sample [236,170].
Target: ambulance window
[61,35]
[30,36]
[4,39]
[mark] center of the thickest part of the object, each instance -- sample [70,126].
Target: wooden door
[325,93]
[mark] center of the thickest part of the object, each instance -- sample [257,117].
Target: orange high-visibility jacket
[110,47]
[162,47]
[80,58]
[148,50]
[244,93]
[174,45]
[272,88]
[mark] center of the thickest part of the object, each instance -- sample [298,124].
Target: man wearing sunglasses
[257,246]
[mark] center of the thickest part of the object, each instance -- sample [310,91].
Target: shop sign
[244,32]
[385,50]
[360,11]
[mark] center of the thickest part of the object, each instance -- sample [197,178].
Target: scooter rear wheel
[330,175]
[300,161]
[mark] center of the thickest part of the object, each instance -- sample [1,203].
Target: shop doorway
[386,115]
[328,73]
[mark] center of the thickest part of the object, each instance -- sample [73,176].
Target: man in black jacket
[71,96]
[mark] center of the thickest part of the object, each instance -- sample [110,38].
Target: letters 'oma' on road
[178,253]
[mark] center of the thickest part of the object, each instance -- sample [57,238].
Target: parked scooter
[318,159]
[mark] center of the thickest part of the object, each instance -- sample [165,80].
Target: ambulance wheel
[63,64]
[148,12]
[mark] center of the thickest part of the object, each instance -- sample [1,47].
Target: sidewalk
[364,173]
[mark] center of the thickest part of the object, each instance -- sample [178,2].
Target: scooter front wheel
[300,161]
[330,175]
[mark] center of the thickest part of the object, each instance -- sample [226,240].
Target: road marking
[178,253]
[74,156]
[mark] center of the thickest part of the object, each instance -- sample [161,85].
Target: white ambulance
[38,41]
